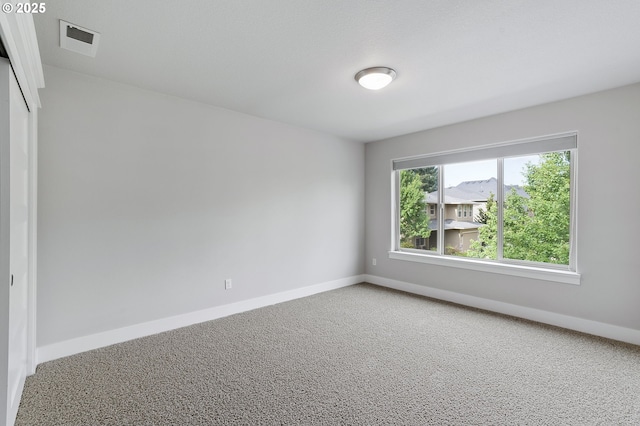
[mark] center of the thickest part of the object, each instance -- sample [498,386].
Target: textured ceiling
[294,60]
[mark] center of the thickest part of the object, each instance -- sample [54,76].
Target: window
[502,204]
[417,185]
[464,210]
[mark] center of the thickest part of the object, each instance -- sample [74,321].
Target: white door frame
[5,256]
[32,223]
[14,141]
[18,36]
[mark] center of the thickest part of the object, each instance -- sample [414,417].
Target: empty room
[313,212]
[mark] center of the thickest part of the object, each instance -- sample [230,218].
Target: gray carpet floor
[361,355]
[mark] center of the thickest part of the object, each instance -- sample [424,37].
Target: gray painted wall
[147,203]
[608,175]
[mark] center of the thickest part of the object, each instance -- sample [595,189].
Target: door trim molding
[18,34]
[32,231]
[19,38]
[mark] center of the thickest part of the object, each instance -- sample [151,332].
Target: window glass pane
[417,227]
[470,186]
[537,214]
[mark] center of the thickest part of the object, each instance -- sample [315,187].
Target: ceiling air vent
[78,39]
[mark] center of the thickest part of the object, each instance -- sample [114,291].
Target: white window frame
[567,274]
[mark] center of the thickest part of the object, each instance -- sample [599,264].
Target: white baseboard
[610,331]
[99,340]
[106,338]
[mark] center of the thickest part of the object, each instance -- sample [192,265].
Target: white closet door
[18,241]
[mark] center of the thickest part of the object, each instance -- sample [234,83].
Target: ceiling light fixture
[375,78]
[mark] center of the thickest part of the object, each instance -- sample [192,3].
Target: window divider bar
[500,196]
[441,210]
[395,210]
[573,217]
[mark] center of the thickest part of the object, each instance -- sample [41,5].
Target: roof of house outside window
[454,224]
[472,192]
[487,187]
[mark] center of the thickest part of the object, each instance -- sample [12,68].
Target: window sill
[555,275]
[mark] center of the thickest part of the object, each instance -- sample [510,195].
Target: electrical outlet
[227,284]
[374,262]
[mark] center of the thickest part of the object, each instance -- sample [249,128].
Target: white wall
[608,175]
[148,202]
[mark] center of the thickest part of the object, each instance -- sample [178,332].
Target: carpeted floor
[361,355]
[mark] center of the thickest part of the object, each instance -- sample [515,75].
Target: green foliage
[535,228]
[482,216]
[486,246]
[428,177]
[414,220]
[452,251]
[541,232]
[516,218]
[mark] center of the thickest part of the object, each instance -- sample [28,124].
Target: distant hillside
[487,186]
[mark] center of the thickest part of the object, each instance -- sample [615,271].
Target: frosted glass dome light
[375,78]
